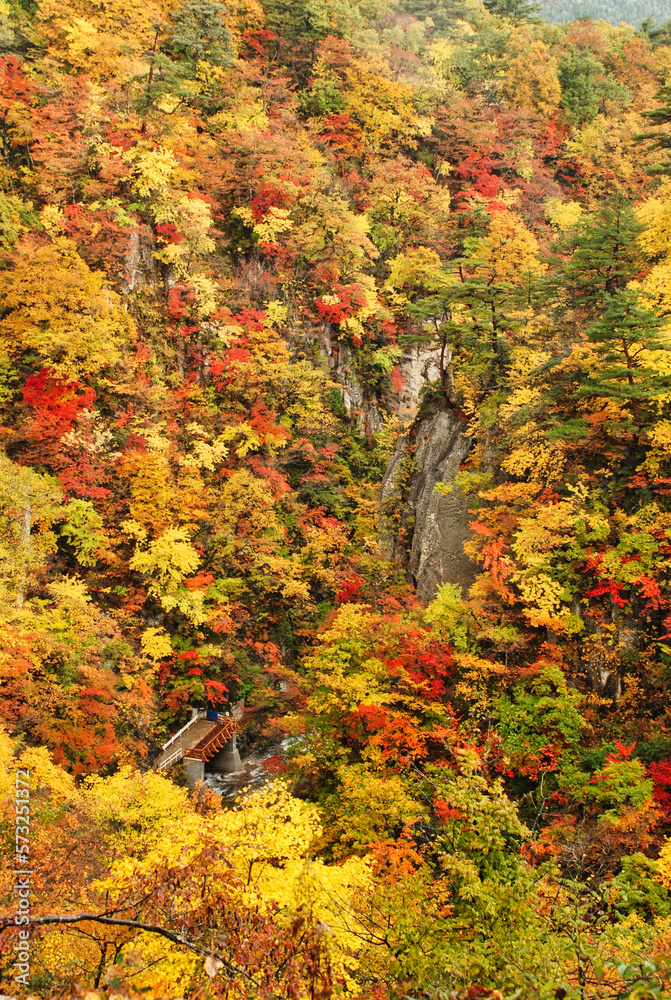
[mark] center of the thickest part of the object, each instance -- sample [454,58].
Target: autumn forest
[335,393]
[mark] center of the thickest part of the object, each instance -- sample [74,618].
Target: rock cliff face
[140,264]
[437,523]
[357,404]
[430,452]
[417,366]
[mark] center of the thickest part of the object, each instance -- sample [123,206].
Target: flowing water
[258,768]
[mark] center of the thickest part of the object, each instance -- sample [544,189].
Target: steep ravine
[436,525]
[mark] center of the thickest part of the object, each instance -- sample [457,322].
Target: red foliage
[60,148]
[350,592]
[622,752]
[180,299]
[262,419]
[168,232]
[257,42]
[426,666]
[268,196]
[397,379]
[612,588]
[14,84]
[342,134]
[650,590]
[275,765]
[215,691]
[200,581]
[56,403]
[350,299]
[660,772]
[478,170]
[188,655]
[445,812]
[396,735]
[100,240]
[59,407]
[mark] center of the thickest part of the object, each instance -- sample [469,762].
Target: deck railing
[210,744]
[207,746]
[172,759]
[200,713]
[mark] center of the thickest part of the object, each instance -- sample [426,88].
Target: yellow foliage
[371,805]
[158,496]
[333,232]
[113,16]
[190,603]
[531,455]
[193,218]
[30,504]
[52,218]
[166,561]
[203,454]
[70,590]
[206,294]
[543,597]
[383,108]
[510,251]
[151,169]
[441,53]
[156,644]
[263,857]
[344,676]
[105,41]
[47,780]
[133,807]
[276,314]
[276,221]
[539,544]
[417,267]
[655,215]
[531,79]
[665,864]
[152,496]
[55,305]
[563,215]
[603,148]
[11,224]
[353,325]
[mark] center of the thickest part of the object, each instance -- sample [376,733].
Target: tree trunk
[26,525]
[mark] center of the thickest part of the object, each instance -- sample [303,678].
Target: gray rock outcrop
[418,365]
[359,406]
[440,527]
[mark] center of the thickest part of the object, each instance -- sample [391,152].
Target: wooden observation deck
[202,738]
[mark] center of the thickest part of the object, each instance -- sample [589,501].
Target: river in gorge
[258,768]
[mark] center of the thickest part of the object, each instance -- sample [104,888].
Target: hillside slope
[335,378]
[632,11]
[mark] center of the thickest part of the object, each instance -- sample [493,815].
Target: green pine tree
[442,13]
[659,117]
[587,86]
[621,371]
[606,254]
[199,33]
[623,337]
[516,11]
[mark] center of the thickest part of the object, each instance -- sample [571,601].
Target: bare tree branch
[101,918]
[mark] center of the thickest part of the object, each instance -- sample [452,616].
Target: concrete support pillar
[195,771]
[228,759]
